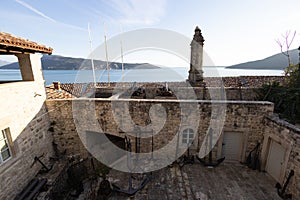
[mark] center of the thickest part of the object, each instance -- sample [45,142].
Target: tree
[286,100]
[293,76]
[285,96]
[286,43]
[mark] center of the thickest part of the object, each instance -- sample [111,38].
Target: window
[188,136]
[5,149]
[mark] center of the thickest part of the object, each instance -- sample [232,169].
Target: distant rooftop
[54,93]
[10,44]
[76,90]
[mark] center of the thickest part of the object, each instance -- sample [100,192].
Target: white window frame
[4,137]
[188,136]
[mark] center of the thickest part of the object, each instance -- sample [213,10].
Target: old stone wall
[288,136]
[238,94]
[34,140]
[246,94]
[152,91]
[243,117]
[24,114]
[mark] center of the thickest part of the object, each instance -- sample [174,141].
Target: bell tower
[196,72]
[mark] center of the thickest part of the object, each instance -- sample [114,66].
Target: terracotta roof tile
[10,44]
[57,94]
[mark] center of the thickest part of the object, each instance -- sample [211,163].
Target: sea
[135,75]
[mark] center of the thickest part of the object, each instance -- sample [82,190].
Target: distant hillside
[275,62]
[54,62]
[2,62]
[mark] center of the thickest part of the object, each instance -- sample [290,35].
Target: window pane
[3,145]
[188,136]
[5,154]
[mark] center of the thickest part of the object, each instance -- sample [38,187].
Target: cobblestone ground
[227,181]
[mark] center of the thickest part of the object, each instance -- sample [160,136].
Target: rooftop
[53,93]
[10,44]
[73,90]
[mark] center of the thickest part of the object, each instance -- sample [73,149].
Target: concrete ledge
[168,101]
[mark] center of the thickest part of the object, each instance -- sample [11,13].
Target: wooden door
[275,160]
[232,144]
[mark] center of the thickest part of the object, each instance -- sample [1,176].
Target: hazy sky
[234,31]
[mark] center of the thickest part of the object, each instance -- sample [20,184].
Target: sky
[234,31]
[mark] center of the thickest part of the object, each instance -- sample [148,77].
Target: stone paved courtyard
[227,181]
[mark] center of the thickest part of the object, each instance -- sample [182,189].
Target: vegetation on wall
[285,96]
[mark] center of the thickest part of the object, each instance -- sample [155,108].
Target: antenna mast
[106,54]
[91,52]
[121,43]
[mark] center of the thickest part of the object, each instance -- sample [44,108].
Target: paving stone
[226,181]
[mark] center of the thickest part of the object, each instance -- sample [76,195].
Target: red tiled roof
[10,44]
[52,93]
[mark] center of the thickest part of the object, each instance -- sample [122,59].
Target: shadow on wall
[34,141]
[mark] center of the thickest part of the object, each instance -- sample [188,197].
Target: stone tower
[196,72]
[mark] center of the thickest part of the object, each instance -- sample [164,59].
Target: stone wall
[245,94]
[24,113]
[289,137]
[238,94]
[34,140]
[152,90]
[232,85]
[241,116]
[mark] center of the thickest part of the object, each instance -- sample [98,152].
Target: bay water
[138,75]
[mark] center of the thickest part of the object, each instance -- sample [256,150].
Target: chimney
[56,85]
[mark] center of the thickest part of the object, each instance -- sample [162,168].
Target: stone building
[68,125]
[23,120]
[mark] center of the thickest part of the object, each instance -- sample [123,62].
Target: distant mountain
[55,62]
[2,62]
[275,62]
